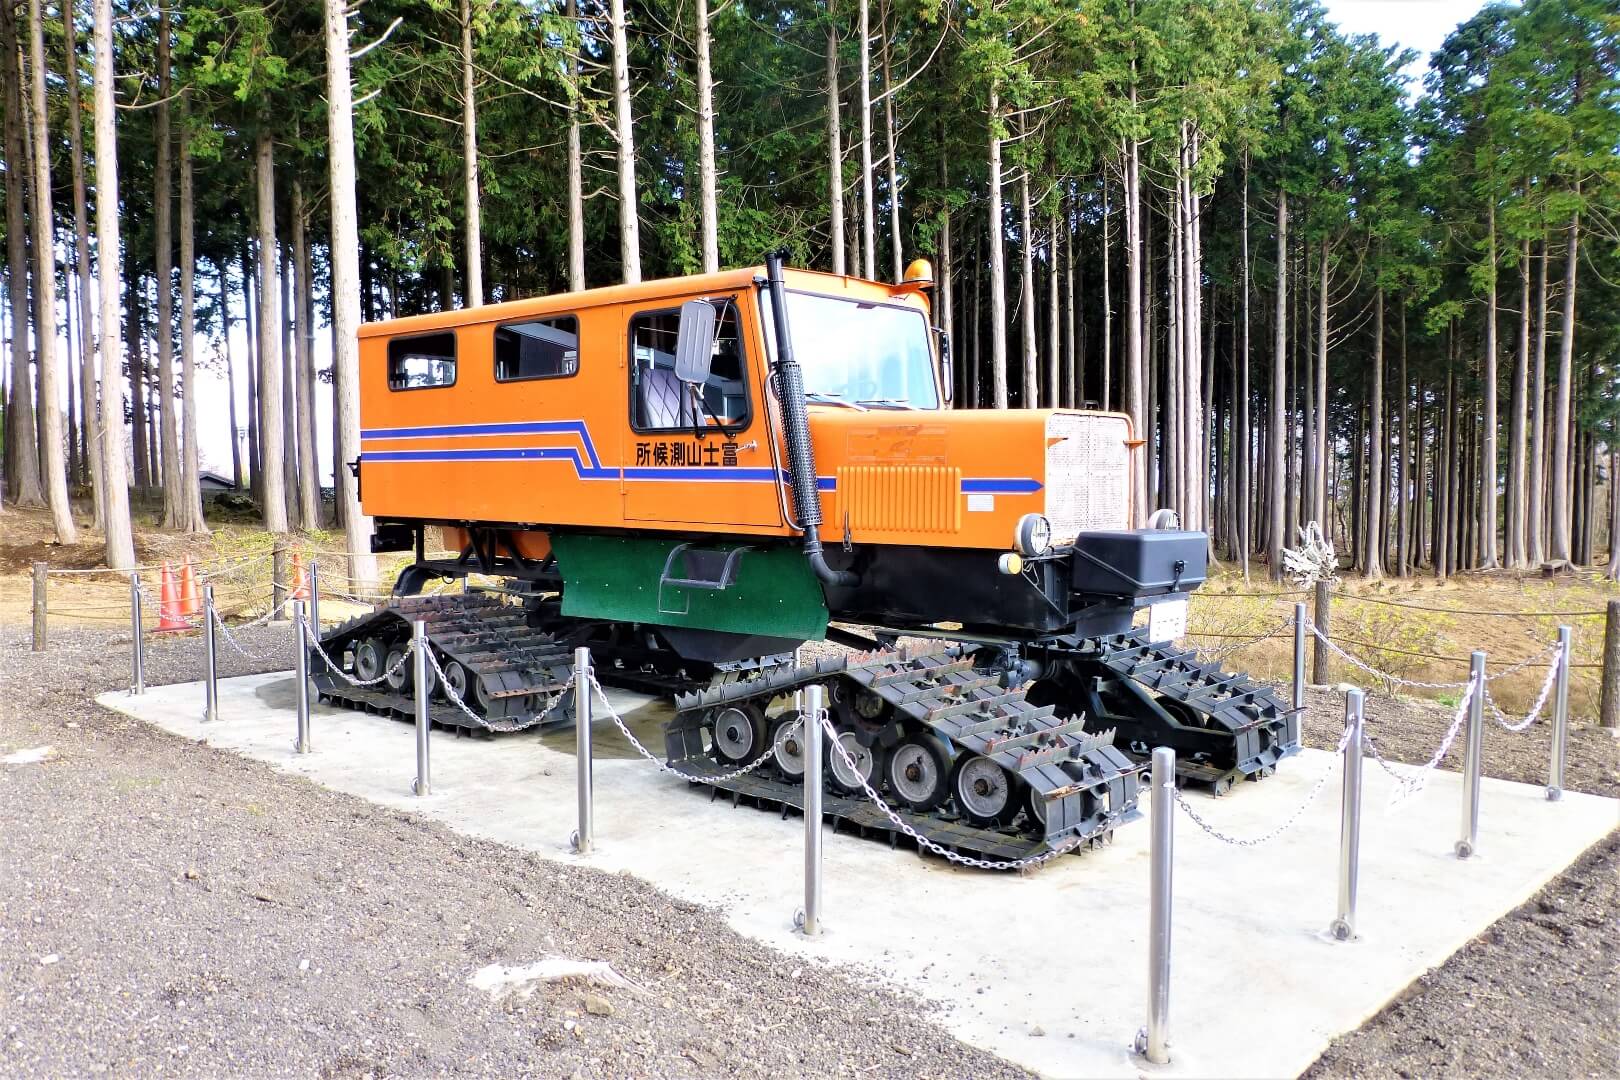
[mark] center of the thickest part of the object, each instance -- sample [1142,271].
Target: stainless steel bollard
[1344,926]
[211,656]
[314,599]
[1299,655]
[138,639]
[1153,1041]
[1560,740]
[583,836]
[301,672]
[419,682]
[809,919]
[1471,759]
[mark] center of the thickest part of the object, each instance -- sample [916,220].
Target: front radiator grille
[1088,477]
[901,498]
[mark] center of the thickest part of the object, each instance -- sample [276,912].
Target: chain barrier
[262,620]
[1287,823]
[1410,786]
[598,694]
[1219,653]
[1541,699]
[455,699]
[924,842]
[1396,680]
[388,672]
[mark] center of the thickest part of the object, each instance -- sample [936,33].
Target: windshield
[857,352]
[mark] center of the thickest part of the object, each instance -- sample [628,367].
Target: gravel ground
[169,908]
[1538,993]
[143,929]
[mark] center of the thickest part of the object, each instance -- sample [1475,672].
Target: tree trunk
[1054,348]
[250,326]
[134,341]
[706,173]
[629,201]
[998,264]
[897,256]
[44,221]
[22,448]
[469,159]
[576,183]
[90,422]
[1279,392]
[1487,446]
[191,518]
[309,481]
[1373,557]
[1029,391]
[119,537]
[1560,547]
[1135,375]
[1536,518]
[1517,420]
[835,147]
[345,259]
[230,372]
[174,510]
[272,463]
[1108,306]
[868,211]
[1403,459]
[1319,508]
[1245,468]
[287,408]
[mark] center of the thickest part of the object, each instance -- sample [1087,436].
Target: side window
[417,363]
[539,349]
[658,400]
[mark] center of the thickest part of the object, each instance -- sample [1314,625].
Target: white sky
[1417,24]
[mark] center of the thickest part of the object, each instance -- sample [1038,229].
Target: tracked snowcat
[696,477]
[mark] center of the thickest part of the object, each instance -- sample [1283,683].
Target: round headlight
[1033,537]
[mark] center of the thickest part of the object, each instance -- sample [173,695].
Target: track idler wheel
[399,670]
[739,735]
[919,773]
[369,659]
[985,793]
[787,747]
[866,759]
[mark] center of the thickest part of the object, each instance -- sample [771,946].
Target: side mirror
[694,342]
[947,373]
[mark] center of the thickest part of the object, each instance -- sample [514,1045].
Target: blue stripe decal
[595,470]
[1000,486]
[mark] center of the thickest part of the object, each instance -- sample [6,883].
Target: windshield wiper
[887,403]
[831,399]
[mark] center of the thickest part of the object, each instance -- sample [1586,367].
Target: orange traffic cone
[190,596]
[300,580]
[169,619]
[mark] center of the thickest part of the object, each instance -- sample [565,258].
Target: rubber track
[520,671]
[1244,730]
[1089,786]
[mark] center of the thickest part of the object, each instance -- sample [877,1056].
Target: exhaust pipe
[796,430]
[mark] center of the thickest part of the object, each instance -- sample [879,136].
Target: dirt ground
[167,908]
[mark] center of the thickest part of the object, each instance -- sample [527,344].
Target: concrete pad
[1049,970]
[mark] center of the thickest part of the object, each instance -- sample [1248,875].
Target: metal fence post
[211,656]
[1344,926]
[1560,739]
[1471,758]
[419,683]
[39,607]
[301,670]
[809,919]
[314,599]
[584,836]
[138,643]
[1153,1041]
[1299,655]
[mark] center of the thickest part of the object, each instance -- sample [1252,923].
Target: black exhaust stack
[796,429]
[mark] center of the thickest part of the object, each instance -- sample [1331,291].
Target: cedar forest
[1321,293]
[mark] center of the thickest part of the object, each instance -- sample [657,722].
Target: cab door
[699,458]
